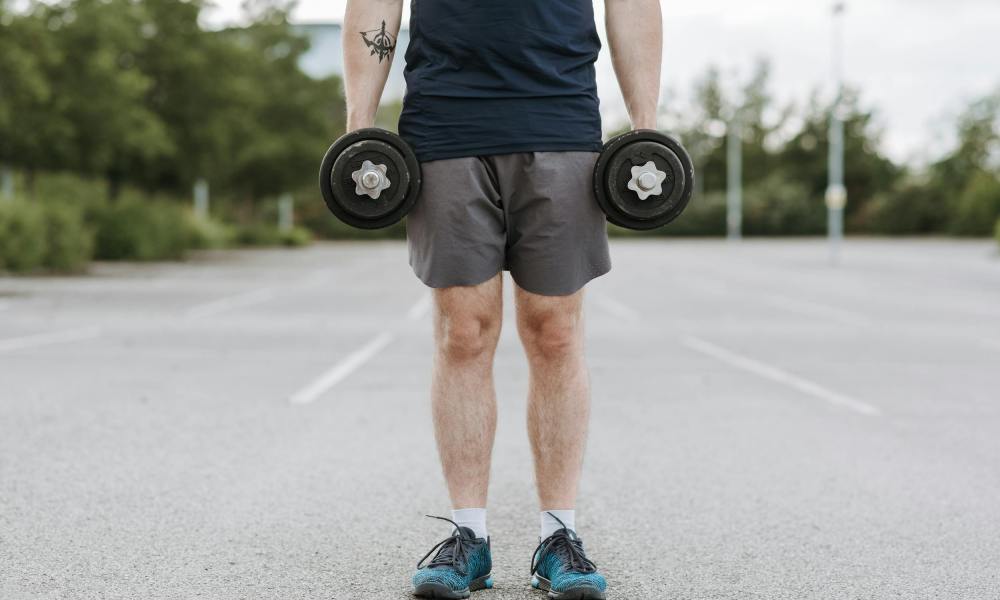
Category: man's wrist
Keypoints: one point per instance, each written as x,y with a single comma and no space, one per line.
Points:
357,121
644,121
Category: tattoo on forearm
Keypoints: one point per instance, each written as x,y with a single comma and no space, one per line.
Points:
380,41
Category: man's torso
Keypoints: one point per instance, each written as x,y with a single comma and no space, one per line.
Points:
500,76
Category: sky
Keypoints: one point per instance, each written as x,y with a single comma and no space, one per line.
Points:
916,62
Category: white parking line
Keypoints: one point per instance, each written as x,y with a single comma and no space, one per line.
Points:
215,307
420,309
341,370
48,339
616,309
816,309
778,375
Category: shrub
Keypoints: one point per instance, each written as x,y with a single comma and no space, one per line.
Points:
996,231
911,208
208,233
776,206
22,236
69,243
269,235
978,207
134,230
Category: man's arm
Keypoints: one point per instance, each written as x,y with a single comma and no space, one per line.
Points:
370,30
635,34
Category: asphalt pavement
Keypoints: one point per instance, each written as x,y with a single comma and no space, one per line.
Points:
255,424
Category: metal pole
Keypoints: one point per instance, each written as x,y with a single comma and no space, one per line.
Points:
201,199
734,179
6,183
286,209
836,193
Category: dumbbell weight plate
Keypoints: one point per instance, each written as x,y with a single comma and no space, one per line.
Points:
347,156
614,171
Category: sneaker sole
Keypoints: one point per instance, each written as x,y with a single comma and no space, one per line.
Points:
581,593
437,590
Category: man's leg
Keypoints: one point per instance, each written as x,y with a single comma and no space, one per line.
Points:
467,326
551,329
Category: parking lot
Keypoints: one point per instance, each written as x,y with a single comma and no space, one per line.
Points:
255,424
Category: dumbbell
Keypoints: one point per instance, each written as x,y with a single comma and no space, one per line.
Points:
370,178
643,179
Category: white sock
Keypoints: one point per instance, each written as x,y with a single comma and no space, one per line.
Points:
550,525
473,518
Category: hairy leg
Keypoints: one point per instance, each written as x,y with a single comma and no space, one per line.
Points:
551,329
466,329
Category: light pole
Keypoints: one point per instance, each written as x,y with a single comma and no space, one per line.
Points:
734,178
836,193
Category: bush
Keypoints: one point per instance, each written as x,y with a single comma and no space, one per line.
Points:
978,207
776,206
69,244
134,230
996,231
208,233
35,236
269,235
912,208
22,236
314,216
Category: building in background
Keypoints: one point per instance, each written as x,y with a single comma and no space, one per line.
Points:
325,56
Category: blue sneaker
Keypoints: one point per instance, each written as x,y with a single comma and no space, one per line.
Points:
561,567
461,566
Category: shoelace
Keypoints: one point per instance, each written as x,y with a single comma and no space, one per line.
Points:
452,550
568,546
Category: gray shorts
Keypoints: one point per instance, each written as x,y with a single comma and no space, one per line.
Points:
532,213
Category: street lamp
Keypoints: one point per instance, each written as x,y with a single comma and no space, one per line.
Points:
836,193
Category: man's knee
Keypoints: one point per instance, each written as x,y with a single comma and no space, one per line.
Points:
465,337
552,335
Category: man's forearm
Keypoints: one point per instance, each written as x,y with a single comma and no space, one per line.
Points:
635,34
370,30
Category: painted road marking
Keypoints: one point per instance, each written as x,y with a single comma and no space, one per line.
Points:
215,307
419,310
49,339
778,375
342,370
616,309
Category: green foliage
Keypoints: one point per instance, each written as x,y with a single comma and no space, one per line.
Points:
206,234
978,207
776,206
143,231
39,236
996,231
912,207
22,237
268,235
69,243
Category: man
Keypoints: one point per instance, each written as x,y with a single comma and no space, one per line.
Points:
502,110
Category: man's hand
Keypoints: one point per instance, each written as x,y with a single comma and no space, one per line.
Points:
370,30
635,34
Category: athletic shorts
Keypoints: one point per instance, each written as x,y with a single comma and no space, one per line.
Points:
531,213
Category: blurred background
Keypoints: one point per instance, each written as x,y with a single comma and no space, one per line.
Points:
203,121
209,387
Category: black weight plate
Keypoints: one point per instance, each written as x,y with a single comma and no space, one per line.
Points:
344,186
619,172
404,176
626,210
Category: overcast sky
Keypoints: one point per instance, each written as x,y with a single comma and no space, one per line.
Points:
916,61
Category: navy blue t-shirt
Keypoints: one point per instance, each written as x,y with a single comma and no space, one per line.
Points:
501,76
